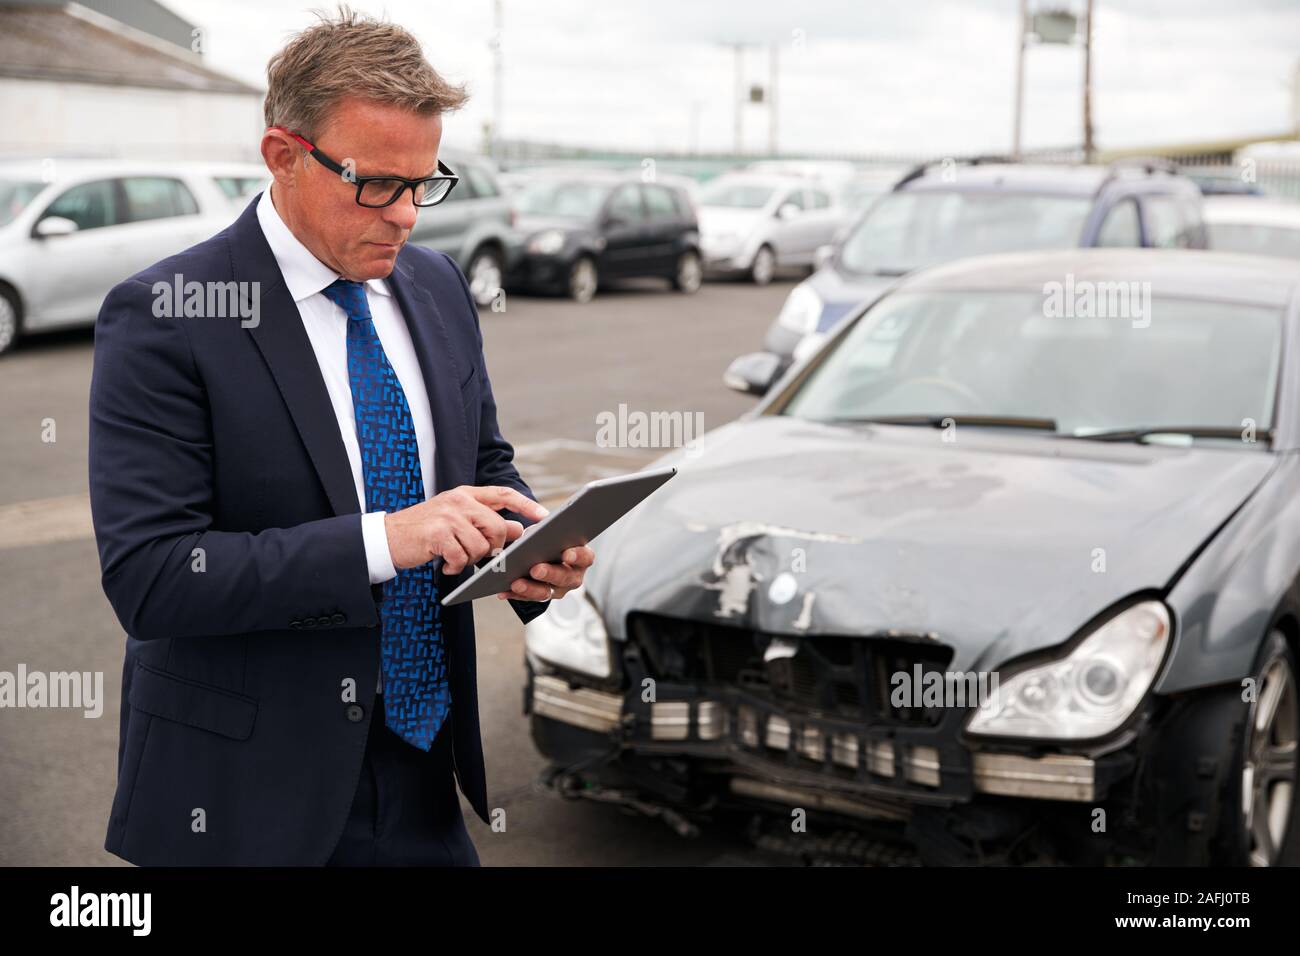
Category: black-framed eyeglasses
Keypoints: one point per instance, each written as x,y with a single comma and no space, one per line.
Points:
375,192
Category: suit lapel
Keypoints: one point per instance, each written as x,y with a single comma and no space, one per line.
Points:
442,376
284,345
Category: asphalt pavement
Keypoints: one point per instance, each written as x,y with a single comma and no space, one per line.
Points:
554,368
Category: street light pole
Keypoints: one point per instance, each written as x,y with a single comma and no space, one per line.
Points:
1022,28
1088,146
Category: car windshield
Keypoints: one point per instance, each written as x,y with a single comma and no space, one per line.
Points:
567,200
1185,365
14,197
734,195
1256,240
908,230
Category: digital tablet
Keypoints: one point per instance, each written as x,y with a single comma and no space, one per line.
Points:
592,509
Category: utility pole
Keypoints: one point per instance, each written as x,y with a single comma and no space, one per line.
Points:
773,69
1089,151
498,70
1022,31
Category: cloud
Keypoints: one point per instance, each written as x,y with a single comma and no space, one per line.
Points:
902,76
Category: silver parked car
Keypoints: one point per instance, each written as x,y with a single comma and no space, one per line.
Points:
752,224
475,226
72,229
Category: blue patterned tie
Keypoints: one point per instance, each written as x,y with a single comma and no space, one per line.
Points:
414,662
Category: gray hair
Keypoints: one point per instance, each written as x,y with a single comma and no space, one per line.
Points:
351,55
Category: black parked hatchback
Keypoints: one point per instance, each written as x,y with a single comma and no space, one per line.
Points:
580,231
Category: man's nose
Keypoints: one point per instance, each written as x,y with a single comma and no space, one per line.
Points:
402,211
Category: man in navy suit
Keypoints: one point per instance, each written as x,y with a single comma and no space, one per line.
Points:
271,485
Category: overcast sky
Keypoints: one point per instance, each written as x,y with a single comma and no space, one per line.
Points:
872,76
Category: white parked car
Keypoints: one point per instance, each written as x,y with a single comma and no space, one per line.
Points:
1253,224
752,224
71,229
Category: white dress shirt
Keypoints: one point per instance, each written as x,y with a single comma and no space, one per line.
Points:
306,277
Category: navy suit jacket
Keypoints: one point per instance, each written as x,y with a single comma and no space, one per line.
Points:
229,537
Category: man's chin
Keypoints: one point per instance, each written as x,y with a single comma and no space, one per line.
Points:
376,261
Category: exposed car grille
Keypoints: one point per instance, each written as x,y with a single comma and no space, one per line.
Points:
846,677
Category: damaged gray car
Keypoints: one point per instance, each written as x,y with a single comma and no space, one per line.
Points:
1007,572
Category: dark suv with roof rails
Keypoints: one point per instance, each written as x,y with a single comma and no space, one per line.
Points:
950,209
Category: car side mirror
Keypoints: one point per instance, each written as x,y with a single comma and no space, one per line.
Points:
52,226
823,256
614,222
788,211
753,374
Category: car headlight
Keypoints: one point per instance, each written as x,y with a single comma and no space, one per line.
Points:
1088,693
570,634
802,310
547,243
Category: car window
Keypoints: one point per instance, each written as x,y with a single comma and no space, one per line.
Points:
1004,353
567,199
157,197
820,200
906,230
238,187
14,197
626,204
659,203
1120,227
1166,228
90,205
794,198
481,180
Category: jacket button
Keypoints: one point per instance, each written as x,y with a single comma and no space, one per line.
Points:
339,618
355,712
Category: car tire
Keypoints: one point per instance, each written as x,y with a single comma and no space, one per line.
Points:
1260,806
763,267
11,319
1202,781
583,280
486,276
689,272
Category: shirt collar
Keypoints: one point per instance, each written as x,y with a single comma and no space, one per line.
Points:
304,274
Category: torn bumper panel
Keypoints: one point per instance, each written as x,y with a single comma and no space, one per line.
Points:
757,739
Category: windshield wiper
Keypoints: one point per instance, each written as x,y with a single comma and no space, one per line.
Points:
1145,431
941,421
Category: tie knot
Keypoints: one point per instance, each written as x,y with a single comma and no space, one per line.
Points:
350,296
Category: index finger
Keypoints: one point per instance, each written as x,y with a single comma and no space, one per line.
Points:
498,497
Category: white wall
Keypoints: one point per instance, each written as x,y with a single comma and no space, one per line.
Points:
45,118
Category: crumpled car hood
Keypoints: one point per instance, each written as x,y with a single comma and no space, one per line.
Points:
997,544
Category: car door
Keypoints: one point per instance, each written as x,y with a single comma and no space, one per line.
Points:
73,273
623,227
787,232
161,219
817,226
664,227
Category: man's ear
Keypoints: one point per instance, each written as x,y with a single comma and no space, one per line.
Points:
280,154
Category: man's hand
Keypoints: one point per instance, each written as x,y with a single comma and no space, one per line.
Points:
461,526
547,581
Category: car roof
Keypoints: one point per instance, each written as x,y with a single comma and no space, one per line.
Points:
771,180
78,168
1063,179
1252,211
1177,273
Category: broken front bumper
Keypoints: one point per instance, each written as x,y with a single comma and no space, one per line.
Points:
764,742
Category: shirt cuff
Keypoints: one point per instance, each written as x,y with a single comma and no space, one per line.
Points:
378,559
